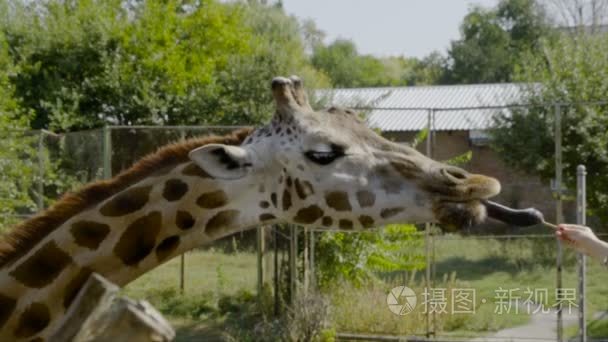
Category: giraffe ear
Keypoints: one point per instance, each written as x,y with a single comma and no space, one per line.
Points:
222,161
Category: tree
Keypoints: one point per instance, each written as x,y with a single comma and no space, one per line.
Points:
347,68
494,41
571,69
85,64
17,173
276,48
340,61
579,13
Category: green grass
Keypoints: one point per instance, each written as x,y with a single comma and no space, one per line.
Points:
482,264
210,276
364,310
487,265
206,272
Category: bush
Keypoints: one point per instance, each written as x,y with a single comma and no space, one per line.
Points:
170,302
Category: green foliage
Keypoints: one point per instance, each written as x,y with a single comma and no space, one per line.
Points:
29,177
84,64
461,159
347,68
357,256
16,173
170,302
420,137
275,48
495,40
572,69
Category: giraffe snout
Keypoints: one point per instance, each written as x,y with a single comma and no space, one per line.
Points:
482,187
455,184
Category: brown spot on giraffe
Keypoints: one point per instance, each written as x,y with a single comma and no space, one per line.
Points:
195,171
42,267
267,217
303,188
127,202
289,182
390,212
366,221
308,214
174,190
139,239
166,247
220,220
286,200
273,199
89,234
345,224
338,200
366,198
33,320
7,306
212,200
327,221
74,286
264,204
183,220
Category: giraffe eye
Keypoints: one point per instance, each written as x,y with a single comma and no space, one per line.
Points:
325,157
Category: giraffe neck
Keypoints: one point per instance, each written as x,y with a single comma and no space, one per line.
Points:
122,238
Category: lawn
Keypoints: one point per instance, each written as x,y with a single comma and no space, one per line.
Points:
485,265
207,272
488,265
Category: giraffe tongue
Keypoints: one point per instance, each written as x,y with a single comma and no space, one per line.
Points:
516,217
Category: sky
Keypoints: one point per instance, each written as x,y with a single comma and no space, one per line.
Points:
413,28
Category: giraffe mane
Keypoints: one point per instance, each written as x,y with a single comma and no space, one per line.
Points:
24,236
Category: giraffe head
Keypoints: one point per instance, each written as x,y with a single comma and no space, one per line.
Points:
327,168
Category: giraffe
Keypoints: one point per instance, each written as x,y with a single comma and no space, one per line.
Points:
311,168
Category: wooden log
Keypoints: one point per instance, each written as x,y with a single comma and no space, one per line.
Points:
99,314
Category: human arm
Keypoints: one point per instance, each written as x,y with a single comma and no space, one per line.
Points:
583,240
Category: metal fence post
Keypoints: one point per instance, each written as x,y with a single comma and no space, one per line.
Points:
293,265
581,218
182,258
40,182
313,281
558,215
428,226
305,261
107,152
275,241
260,249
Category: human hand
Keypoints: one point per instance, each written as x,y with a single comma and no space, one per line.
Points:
583,240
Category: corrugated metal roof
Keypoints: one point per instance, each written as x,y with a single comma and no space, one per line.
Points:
390,105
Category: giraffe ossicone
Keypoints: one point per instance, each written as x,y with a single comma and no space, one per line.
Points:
316,168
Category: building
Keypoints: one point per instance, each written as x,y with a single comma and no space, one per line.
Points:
460,117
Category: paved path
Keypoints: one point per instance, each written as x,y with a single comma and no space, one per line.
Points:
540,328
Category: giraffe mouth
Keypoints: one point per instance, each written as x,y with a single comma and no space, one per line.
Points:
457,215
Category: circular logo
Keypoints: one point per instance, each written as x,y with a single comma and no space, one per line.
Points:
401,300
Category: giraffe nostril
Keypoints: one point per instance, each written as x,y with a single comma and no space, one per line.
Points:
454,174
